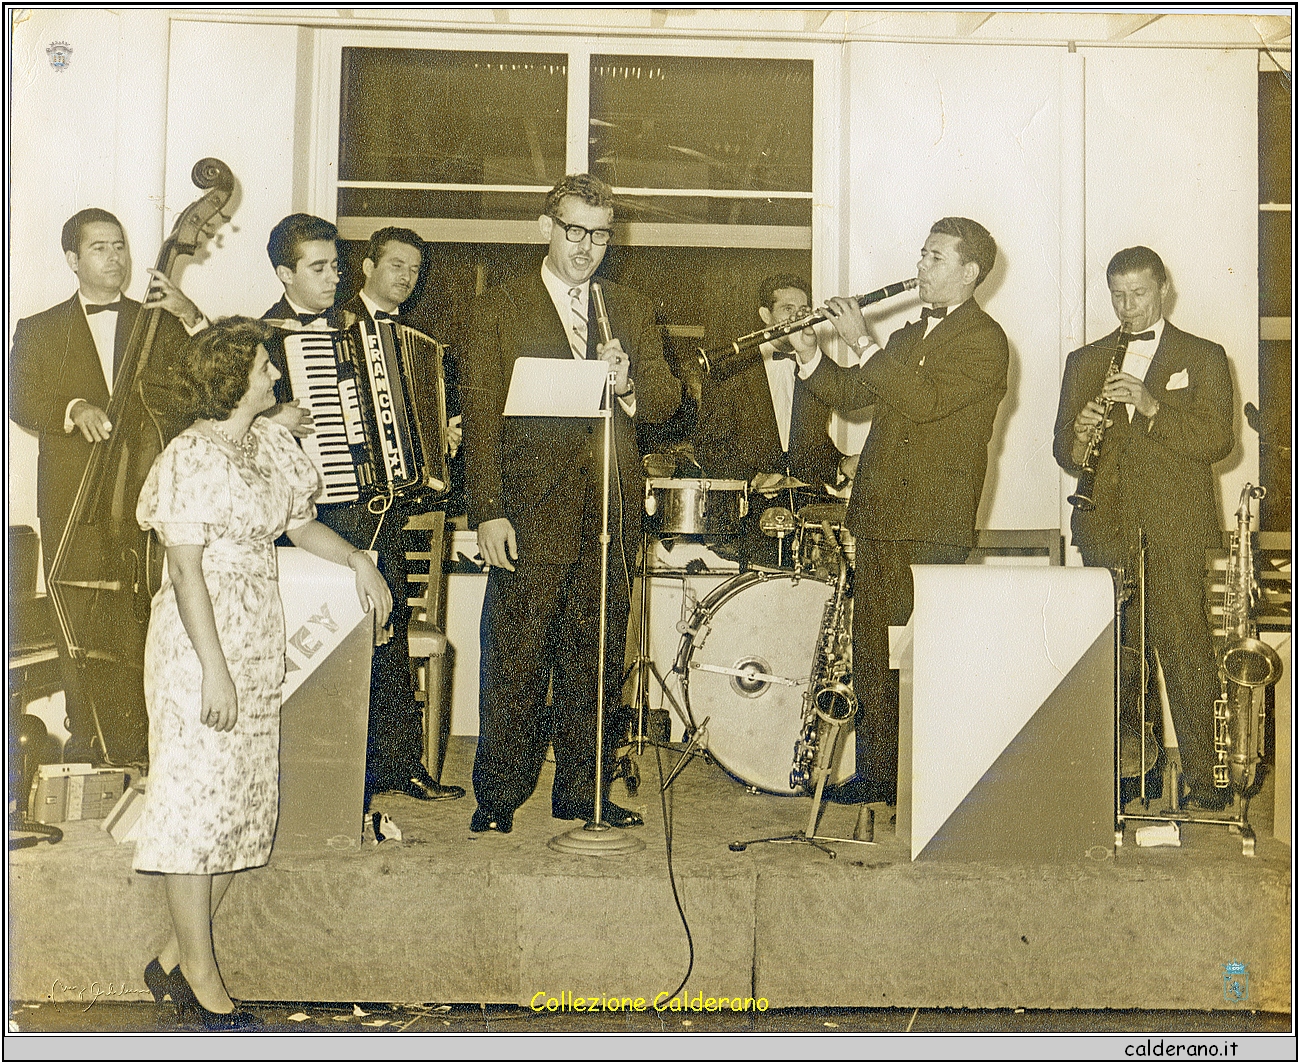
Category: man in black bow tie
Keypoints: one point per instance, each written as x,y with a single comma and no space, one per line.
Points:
935,388
1170,421
304,251
392,270
62,371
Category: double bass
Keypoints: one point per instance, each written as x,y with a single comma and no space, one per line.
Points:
106,570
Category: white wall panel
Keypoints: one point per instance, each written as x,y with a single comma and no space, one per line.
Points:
1172,163
232,95
950,130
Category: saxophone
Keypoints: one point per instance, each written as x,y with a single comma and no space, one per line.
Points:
1246,664
828,700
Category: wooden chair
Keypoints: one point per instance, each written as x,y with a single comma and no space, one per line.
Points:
427,636
1019,541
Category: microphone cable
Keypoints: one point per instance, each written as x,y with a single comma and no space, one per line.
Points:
672,877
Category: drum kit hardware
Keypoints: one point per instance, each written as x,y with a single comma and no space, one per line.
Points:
750,647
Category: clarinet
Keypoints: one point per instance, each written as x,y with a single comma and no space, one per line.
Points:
724,362
1082,497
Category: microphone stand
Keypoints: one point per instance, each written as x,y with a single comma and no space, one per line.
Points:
597,838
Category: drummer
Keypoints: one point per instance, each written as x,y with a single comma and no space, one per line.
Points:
764,424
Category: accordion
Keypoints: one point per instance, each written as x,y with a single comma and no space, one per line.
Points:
378,399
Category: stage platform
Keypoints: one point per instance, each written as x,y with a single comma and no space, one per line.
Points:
447,916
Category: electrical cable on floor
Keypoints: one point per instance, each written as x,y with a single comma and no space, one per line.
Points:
672,878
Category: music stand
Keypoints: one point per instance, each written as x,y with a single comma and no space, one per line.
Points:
553,387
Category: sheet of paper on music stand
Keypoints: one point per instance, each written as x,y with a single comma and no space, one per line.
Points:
556,387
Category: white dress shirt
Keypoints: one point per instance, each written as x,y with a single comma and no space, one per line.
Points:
103,330
558,289
317,323
1137,359
780,383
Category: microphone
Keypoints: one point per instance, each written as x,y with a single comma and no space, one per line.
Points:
602,315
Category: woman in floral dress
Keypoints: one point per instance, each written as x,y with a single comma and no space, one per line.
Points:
218,497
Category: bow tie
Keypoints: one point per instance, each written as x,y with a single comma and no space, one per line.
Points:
933,312
95,308
306,318
383,315
1150,334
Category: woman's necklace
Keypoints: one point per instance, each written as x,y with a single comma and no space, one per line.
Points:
246,443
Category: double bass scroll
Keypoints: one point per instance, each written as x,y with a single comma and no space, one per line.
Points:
106,570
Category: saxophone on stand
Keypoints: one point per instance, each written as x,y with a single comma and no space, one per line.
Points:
1247,665
829,701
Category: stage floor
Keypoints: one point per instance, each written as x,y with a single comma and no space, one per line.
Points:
448,916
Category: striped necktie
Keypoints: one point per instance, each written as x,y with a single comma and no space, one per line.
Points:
578,315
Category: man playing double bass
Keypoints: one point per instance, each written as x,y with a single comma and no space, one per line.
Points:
62,371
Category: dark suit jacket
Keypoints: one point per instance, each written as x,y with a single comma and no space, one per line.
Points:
537,471
1153,474
738,434
54,361
923,465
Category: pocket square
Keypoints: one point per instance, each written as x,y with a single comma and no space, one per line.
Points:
1177,381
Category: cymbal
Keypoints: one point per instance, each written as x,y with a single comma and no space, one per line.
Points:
784,484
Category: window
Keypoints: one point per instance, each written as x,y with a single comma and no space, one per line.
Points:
711,158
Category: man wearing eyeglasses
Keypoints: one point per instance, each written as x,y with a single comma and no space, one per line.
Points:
533,491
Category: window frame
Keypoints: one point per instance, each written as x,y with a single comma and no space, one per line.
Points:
821,238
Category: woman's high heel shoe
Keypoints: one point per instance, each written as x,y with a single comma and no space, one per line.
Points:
191,1011
158,981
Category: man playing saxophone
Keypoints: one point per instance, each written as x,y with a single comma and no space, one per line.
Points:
1170,419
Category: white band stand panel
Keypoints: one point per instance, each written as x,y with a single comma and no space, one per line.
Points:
1006,716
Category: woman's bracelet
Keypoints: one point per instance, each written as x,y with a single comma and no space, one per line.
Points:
348,560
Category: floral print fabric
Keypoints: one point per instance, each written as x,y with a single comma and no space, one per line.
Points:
212,797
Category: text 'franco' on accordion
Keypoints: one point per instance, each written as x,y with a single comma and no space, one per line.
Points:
377,395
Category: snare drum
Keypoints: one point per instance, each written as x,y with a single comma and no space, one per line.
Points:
816,553
745,661
696,507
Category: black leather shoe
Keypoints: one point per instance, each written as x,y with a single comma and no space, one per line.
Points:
482,820
424,787
195,1016
158,981
613,815
859,791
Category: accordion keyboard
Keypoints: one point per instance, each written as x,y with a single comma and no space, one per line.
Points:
335,409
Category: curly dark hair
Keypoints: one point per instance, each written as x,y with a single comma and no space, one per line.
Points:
215,366
591,190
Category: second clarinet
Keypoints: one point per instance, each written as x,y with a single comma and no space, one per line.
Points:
1082,497
723,362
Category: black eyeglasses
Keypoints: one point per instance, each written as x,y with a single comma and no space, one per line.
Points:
575,234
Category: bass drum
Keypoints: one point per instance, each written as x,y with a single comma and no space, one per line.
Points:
745,663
